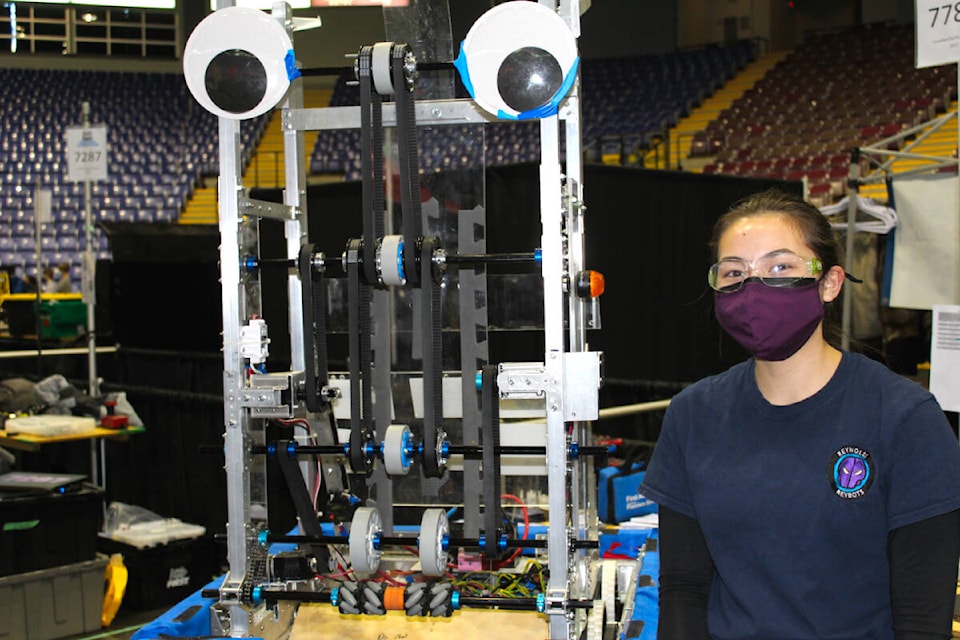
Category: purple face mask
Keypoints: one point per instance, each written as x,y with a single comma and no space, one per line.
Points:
771,323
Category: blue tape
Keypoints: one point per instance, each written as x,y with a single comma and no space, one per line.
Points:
293,72
461,66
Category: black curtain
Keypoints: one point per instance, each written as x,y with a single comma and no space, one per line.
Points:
647,232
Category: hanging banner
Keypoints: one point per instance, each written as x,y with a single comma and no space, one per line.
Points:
926,246
86,153
938,32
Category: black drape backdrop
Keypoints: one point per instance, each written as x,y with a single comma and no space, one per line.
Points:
646,231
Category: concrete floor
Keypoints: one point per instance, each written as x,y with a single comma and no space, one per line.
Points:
124,625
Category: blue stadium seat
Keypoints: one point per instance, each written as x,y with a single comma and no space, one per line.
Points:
22,229
69,243
10,258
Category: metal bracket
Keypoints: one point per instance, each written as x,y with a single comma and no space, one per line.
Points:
264,209
231,592
555,602
427,113
273,395
521,380
581,379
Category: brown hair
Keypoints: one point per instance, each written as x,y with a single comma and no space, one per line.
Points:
813,227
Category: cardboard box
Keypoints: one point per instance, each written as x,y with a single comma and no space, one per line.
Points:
52,603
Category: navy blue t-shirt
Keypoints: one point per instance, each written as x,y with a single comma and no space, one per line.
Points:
795,502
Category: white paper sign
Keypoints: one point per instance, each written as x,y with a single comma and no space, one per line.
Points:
42,205
86,153
89,277
945,356
938,32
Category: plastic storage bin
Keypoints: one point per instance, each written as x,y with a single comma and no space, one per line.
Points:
62,318
40,531
52,603
61,315
164,573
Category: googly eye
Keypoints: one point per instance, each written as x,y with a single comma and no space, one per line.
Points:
238,63
519,61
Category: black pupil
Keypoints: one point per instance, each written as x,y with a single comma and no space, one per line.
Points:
528,78
236,81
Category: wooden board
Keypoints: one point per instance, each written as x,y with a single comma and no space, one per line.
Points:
325,621
28,442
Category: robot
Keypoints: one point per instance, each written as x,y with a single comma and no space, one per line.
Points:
400,419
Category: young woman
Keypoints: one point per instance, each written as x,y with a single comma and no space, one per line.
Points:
806,493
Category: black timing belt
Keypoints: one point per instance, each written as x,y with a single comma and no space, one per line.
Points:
371,161
432,361
360,294
414,250
313,290
490,439
412,225
358,299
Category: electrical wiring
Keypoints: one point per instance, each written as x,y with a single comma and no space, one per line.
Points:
341,574
509,585
384,576
341,564
526,527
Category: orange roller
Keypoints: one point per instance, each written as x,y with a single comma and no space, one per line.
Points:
393,598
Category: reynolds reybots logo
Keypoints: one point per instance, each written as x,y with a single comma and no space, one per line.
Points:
851,472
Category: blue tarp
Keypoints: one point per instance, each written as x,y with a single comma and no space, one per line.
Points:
188,618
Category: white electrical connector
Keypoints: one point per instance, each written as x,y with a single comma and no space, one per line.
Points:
254,341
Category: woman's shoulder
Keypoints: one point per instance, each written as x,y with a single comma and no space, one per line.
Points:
875,378
707,388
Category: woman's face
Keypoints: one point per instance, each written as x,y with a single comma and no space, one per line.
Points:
754,236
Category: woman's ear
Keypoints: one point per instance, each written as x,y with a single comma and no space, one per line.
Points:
832,283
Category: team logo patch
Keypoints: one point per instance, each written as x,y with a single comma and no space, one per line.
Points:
851,472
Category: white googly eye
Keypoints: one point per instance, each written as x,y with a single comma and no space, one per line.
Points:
518,60
238,63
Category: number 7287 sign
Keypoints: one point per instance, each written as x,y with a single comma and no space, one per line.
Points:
87,153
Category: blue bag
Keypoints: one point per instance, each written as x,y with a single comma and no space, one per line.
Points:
619,495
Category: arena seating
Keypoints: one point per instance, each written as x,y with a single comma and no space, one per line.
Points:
160,144
836,91
798,122
627,100
633,99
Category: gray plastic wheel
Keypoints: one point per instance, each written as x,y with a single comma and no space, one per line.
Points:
390,261
396,462
366,524
433,527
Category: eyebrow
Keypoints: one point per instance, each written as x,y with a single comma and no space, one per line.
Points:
775,252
